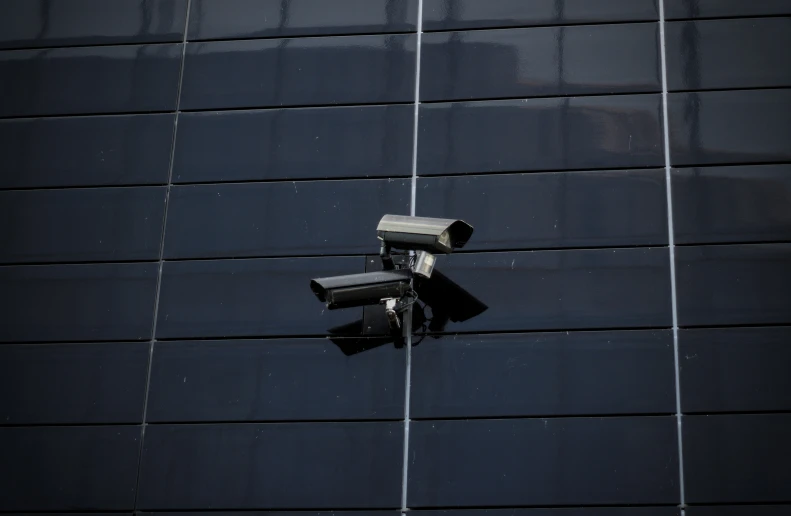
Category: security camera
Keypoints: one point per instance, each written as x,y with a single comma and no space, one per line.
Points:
398,286
393,289
369,288
422,234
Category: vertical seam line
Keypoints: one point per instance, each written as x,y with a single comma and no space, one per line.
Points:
161,254
417,107
672,252
412,211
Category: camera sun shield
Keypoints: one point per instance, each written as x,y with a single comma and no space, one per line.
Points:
423,233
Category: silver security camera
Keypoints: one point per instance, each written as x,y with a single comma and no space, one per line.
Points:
422,234
369,288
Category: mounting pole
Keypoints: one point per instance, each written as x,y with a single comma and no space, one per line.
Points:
387,260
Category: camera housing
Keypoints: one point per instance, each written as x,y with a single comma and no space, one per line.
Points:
369,288
423,233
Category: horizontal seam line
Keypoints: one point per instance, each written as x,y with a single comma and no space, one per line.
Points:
372,251
228,109
301,36
180,40
508,417
733,17
559,23
734,243
92,45
464,418
543,506
390,178
716,90
688,167
721,504
326,179
737,412
733,326
327,337
254,336
736,327
341,105
200,423
425,177
549,330
432,102
270,509
296,106
430,176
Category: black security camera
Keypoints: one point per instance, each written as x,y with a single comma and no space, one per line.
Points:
369,288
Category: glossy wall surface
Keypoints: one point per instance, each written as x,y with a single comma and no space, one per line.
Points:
174,172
